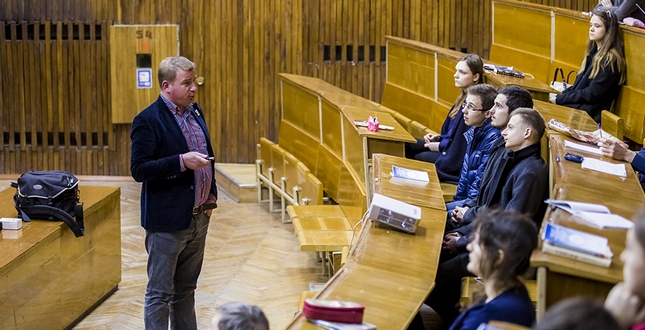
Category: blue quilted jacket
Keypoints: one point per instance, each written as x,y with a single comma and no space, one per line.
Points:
480,143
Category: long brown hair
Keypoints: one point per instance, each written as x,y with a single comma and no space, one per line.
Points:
611,52
476,66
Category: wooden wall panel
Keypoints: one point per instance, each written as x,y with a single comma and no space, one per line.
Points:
55,89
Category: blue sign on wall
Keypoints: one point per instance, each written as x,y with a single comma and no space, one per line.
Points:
144,78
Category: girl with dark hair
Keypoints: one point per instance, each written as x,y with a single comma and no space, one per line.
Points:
602,71
447,150
499,255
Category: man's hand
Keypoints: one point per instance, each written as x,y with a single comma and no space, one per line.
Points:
615,150
626,307
449,244
457,214
432,146
195,160
606,3
211,200
430,138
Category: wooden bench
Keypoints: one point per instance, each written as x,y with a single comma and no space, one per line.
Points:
552,37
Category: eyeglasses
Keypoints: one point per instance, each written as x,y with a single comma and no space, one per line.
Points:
471,107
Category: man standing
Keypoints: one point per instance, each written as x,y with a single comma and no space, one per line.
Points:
172,156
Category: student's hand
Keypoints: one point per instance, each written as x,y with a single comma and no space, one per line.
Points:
195,160
626,307
449,244
606,3
615,150
430,138
458,213
432,146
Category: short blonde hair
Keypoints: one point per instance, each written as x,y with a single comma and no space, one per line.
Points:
170,65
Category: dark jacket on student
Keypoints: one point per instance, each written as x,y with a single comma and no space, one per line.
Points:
592,95
516,181
512,306
452,147
627,8
480,141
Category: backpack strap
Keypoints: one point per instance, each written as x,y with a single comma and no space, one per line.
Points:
44,210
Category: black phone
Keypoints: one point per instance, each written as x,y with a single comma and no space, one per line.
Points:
574,157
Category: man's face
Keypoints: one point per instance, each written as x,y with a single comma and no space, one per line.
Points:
499,112
515,134
474,115
181,91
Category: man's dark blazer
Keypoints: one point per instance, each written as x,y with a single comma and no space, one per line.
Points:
167,194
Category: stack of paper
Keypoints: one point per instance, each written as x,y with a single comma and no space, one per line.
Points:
582,147
593,214
574,244
408,174
605,167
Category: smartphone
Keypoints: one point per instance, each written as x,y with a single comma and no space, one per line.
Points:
574,157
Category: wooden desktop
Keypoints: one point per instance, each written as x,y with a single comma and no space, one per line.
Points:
50,278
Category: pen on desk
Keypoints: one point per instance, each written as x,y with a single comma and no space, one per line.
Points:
600,129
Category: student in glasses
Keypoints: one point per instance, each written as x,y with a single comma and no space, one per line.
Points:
480,138
603,69
447,149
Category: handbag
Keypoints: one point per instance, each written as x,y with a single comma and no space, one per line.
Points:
563,83
49,195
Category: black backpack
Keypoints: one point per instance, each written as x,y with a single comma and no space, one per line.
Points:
50,195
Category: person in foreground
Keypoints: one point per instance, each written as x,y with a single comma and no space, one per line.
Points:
499,254
447,150
626,301
578,313
518,181
239,316
603,69
170,156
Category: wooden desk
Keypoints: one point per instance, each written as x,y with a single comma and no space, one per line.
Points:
429,195
539,90
389,272
360,143
577,119
559,277
51,278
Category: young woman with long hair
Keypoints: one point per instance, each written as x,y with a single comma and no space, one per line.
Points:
603,69
447,150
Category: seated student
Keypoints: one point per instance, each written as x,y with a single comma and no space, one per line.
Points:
480,138
602,71
518,181
447,150
624,8
507,100
499,254
617,151
626,301
577,314
239,316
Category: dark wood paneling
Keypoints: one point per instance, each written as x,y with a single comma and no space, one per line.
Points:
54,90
